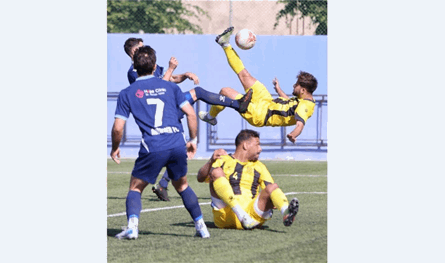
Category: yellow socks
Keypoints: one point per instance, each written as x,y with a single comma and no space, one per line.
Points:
237,65
239,96
234,61
279,200
215,110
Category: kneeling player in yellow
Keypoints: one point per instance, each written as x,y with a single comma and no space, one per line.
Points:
235,181
263,110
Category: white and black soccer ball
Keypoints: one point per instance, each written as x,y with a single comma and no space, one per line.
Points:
245,39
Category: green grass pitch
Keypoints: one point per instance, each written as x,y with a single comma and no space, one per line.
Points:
167,235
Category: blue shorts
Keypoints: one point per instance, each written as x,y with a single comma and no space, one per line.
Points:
148,165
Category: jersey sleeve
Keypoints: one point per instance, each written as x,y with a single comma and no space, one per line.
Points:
131,75
304,111
159,71
218,163
265,176
181,100
122,106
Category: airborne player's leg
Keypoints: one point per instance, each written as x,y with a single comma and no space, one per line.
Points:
238,67
234,60
216,109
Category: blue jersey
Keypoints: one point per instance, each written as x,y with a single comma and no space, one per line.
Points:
154,104
132,75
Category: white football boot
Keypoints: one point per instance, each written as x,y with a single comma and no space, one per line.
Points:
128,233
201,229
224,38
204,116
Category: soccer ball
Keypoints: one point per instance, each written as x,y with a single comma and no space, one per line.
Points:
245,39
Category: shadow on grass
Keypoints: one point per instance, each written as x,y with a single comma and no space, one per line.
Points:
150,198
212,225
114,232
155,198
191,224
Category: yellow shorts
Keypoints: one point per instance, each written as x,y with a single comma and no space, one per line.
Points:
257,109
226,218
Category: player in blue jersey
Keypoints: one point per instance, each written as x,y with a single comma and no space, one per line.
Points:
131,45
154,104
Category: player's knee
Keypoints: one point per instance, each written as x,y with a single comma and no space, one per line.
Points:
216,173
196,92
270,188
137,184
181,184
225,91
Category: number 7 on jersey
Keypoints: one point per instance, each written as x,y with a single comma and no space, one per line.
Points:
159,112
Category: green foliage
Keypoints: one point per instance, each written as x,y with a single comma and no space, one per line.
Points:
152,17
316,10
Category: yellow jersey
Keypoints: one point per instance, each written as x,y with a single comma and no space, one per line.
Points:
286,112
245,177
263,110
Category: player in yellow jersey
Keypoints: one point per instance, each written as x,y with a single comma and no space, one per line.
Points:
263,110
235,183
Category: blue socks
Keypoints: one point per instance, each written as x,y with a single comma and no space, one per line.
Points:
133,204
164,180
190,201
215,99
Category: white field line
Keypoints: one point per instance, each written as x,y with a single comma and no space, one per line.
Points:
207,203
298,175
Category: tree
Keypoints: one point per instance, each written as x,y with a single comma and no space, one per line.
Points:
156,16
316,10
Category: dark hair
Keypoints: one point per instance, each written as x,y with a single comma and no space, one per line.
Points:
144,60
130,43
245,135
307,81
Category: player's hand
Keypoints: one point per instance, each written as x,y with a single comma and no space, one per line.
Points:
193,77
292,138
173,63
191,150
276,84
217,154
115,155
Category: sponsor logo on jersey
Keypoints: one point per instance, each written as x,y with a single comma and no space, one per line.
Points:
168,129
139,93
155,92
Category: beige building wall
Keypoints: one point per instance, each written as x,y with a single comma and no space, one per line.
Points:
259,16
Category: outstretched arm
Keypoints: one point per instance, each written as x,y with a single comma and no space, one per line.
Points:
205,170
181,77
116,137
278,88
192,124
292,136
168,76
172,64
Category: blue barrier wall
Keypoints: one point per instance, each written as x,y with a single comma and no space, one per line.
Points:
273,56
